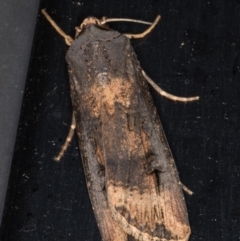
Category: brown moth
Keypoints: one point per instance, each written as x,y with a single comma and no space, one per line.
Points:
131,176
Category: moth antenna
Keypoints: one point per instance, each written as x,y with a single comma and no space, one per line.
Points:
108,20
68,140
168,95
68,39
146,32
130,36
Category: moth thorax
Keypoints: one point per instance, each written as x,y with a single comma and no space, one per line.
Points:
85,23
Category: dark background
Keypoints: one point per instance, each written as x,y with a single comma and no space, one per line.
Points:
194,50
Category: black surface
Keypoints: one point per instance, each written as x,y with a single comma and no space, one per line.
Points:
18,20
193,51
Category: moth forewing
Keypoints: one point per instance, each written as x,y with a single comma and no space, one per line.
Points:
108,93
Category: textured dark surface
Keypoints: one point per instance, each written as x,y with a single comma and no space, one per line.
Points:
193,51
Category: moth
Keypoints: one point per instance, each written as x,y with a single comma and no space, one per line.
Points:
130,173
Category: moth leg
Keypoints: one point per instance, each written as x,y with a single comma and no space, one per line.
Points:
68,39
168,95
185,189
146,32
68,139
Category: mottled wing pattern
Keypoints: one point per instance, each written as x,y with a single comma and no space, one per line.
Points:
86,111
131,175
143,189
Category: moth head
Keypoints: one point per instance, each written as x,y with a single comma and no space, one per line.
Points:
90,21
